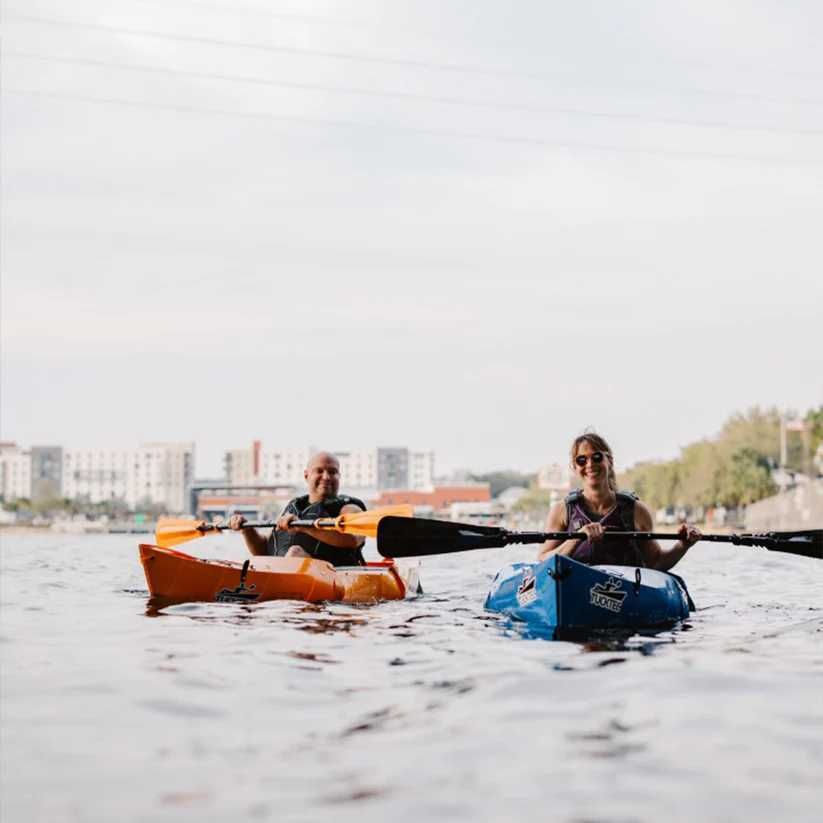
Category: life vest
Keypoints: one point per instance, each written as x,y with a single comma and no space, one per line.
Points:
281,541
620,518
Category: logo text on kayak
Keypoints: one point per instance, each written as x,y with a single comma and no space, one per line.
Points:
527,590
608,595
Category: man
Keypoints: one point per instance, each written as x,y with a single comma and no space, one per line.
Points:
322,476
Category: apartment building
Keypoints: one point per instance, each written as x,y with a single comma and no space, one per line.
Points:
374,468
15,472
154,473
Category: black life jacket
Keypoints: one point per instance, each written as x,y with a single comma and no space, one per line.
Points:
280,541
620,518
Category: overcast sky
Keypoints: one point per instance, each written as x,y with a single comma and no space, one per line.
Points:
465,225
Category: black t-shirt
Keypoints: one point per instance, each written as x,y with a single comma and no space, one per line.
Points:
280,541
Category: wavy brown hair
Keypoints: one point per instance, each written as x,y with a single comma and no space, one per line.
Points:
599,444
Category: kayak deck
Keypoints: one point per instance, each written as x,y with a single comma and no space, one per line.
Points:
176,577
561,596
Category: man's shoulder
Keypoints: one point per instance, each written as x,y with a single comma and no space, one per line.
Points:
348,500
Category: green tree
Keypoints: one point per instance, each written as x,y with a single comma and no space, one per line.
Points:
746,478
701,467
757,429
814,422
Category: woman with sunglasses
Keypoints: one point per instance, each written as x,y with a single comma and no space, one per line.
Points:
598,507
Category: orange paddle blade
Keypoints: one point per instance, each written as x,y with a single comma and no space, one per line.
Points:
363,524
171,531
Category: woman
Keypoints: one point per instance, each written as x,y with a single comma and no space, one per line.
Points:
598,507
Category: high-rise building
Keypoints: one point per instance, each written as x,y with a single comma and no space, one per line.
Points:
375,468
392,468
157,474
15,472
46,472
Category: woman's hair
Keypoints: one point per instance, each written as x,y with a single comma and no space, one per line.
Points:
599,444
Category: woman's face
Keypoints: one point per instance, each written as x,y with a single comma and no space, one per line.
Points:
591,464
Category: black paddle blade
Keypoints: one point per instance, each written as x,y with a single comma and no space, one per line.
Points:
416,537
802,543
806,543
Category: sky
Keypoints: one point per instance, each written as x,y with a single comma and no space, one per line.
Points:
460,225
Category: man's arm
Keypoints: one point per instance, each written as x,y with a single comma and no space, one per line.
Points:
255,542
332,538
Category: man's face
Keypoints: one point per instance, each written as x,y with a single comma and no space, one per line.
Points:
323,476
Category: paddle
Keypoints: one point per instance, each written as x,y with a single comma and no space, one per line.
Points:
402,537
174,531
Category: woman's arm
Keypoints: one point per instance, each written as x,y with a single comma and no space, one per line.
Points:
654,555
556,522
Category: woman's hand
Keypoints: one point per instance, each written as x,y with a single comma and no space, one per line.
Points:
593,531
236,522
689,535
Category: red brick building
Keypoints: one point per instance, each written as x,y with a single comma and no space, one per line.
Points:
440,497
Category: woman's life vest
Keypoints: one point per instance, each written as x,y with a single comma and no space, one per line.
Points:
604,552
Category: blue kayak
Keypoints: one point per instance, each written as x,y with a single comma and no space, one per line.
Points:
561,597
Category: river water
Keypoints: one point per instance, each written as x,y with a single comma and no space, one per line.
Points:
427,709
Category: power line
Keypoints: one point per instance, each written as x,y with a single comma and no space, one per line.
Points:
357,57
401,130
411,96
236,8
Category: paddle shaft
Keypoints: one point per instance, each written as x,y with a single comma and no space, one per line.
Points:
801,544
320,523
541,537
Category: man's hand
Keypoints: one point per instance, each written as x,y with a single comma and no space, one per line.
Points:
284,523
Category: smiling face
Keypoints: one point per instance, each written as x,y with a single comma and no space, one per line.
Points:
592,464
322,476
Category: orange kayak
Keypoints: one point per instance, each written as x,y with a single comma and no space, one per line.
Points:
175,577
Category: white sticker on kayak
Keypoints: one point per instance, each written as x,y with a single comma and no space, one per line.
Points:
608,595
527,590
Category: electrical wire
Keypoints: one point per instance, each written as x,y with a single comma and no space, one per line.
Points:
351,56
411,96
400,130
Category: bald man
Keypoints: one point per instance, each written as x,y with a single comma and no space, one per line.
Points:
322,476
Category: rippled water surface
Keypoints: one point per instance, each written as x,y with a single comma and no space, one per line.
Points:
428,709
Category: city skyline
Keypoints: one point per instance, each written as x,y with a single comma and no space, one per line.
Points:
212,458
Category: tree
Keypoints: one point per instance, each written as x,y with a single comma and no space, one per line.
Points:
746,479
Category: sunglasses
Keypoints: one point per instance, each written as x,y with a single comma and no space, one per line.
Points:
582,459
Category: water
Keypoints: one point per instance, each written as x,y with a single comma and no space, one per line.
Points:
428,709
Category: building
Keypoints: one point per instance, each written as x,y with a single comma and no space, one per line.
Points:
554,477
154,474
438,498
421,469
375,468
282,467
15,472
46,472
